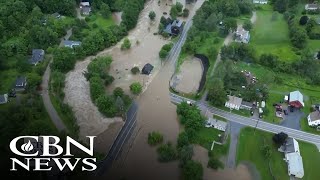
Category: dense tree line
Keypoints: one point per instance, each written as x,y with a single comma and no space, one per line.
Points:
97,73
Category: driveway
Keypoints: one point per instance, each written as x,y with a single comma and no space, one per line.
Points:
292,120
234,138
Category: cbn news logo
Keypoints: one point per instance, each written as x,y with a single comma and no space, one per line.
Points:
38,153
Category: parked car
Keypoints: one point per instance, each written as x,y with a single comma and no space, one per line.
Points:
285,112
291,109
190,103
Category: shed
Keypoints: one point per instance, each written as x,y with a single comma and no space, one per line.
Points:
3,98
233,102
147,69
296,99
37,56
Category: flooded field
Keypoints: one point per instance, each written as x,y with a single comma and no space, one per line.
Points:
187,80
240,173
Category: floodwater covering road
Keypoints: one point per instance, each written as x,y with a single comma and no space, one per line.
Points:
156,113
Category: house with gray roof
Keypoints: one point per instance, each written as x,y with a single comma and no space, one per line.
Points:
3,98
56,15
233,102
85,8
311,7
293,158
174,28
71,44
260,1
37,56
242,35
21,83
217,124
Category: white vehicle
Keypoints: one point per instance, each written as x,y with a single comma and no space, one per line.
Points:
189,102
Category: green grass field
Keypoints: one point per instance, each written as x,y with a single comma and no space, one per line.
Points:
206,136
249,149
270,34
311,159
100,21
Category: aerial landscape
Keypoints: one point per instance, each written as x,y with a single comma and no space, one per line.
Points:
168,89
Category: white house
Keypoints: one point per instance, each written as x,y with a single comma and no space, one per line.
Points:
311,7
260,1
242,35
314,118
293,158
217,124
233,102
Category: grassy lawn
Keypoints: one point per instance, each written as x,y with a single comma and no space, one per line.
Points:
249,149
277,90
100,21
241,112
270,34
66,118
311,158
270,116
206,136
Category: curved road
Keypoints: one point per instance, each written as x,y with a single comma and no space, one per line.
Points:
262,125
47,102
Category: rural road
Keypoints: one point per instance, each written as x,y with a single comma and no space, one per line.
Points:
54,116
47,102
122,137
262,125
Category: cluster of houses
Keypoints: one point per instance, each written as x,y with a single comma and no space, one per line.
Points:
293,158
20,85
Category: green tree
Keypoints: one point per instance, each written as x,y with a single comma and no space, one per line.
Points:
152,15
192,171
105,10
185,12
118,91
166,153
155,138
174,12
179,7
108,80
136,88
135,70
230,24
247,25
215,163
183,140
126,44
185,154
106,105
217,95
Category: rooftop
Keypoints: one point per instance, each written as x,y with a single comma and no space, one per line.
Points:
20,81
37,56
314,116
217,122
234,100
295,165
296,96
3,98
84,4
68,43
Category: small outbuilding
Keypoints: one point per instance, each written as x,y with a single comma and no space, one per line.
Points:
3,98
147,69
296,99
314,118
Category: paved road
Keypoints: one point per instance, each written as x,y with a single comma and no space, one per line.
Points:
262,125
45,92
47,102
235,129
122,137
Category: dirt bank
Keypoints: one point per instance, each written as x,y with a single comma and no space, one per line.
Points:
188,78
240,173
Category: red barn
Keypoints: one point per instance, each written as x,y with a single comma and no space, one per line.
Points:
296,99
